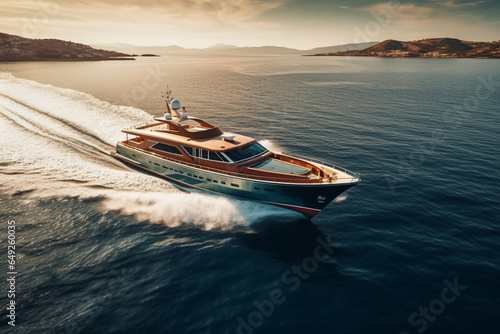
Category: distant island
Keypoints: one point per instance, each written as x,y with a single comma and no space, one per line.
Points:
228,49
16,48
427,48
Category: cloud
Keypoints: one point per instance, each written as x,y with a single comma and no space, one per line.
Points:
435,14
197,12
454,4
238,11
432,19
232,12
399,11
199,23
191,23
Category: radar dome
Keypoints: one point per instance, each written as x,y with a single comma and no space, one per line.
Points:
175,104
168,117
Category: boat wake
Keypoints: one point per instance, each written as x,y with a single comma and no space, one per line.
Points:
340,199
56,143
270,145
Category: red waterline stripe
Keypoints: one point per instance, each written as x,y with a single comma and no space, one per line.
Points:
297,208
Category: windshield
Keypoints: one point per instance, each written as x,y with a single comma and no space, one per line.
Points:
246,152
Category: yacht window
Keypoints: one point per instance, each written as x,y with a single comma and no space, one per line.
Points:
246,152
166,148
214,156
204,154
188,149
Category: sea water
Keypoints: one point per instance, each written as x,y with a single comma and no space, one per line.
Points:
102,248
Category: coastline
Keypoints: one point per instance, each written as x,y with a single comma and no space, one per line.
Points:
395,56
58,60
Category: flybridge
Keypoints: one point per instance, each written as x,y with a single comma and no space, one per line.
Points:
199,130
177,120
176,125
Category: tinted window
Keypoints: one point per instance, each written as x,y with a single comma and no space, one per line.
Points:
246,152
205,154
188,149
166,148
214,156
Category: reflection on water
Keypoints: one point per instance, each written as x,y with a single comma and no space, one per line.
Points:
106,249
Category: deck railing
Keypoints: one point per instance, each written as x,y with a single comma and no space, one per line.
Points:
355,177
140,125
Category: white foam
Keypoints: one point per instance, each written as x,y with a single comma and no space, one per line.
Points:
55,143
340,199
86,113
56,146
271,146
205,211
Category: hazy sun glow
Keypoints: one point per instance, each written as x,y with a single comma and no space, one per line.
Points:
298,24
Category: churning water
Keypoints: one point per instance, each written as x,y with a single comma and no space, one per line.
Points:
102,248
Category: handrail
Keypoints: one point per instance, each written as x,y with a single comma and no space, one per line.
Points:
355,176
138,125
239,175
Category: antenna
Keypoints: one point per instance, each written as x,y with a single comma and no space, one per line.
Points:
167,95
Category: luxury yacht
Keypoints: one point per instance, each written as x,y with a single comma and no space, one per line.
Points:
191,152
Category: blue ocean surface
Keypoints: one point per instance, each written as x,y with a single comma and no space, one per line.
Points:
101,248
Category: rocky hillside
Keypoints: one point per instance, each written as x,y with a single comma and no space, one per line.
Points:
16,48
432,48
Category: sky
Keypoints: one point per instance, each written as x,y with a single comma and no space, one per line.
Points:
299,24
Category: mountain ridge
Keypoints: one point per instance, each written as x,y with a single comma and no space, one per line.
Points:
17,48
427,48
230,49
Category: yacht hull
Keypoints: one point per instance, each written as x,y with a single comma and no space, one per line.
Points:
306,198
